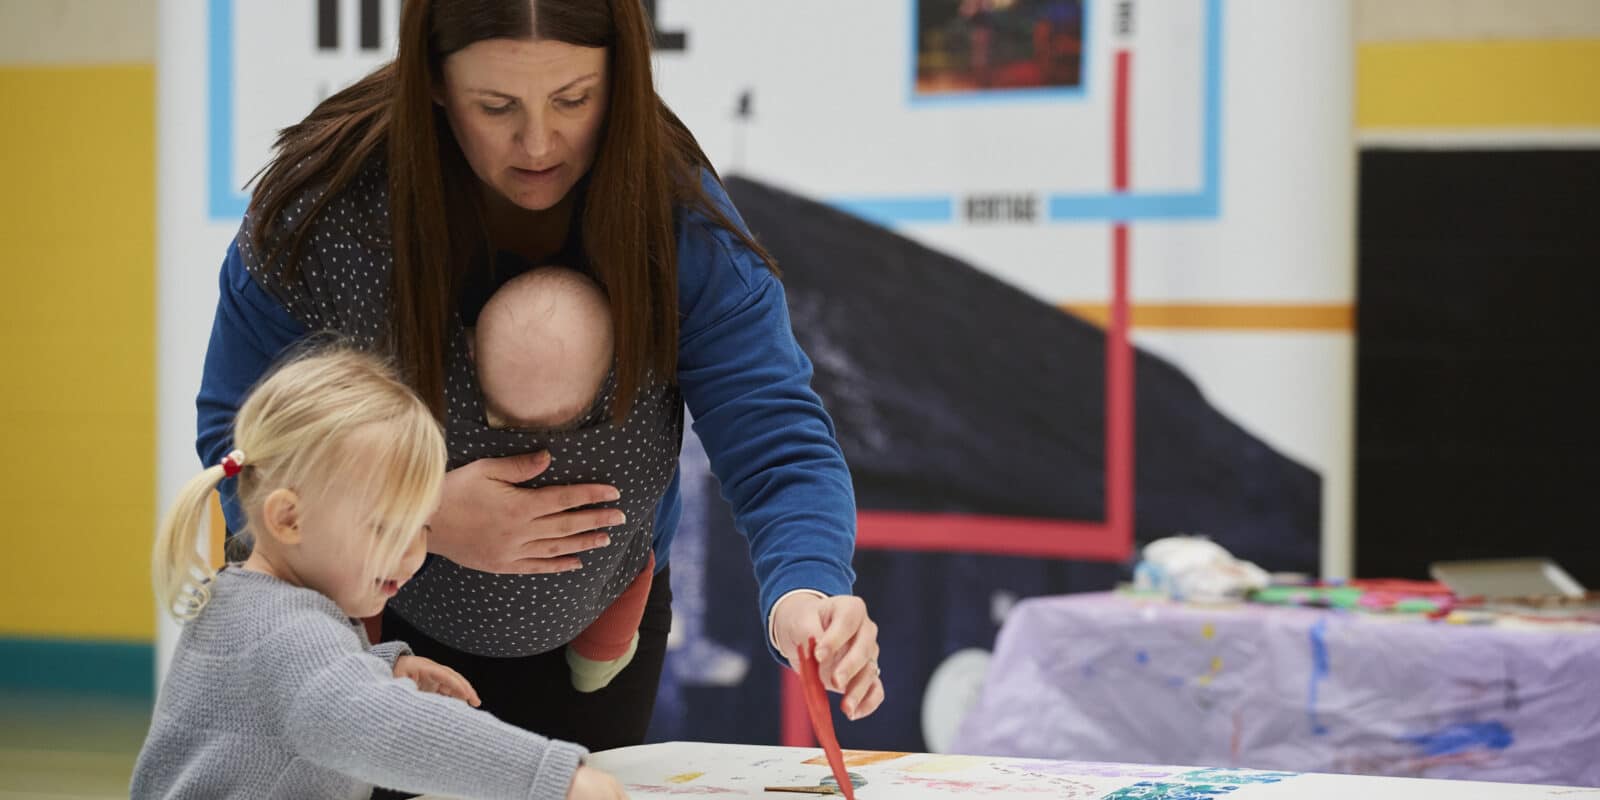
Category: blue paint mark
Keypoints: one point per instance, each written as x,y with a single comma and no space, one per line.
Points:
856,780
1160,790
1234,775
1319,671
1151,576
1455,739
223,201
1142,657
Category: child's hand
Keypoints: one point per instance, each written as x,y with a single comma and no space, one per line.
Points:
589,783
431,676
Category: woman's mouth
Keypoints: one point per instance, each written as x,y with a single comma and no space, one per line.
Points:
535,174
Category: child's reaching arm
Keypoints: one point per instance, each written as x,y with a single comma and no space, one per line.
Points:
344,710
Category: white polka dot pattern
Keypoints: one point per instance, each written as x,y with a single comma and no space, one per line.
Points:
343,286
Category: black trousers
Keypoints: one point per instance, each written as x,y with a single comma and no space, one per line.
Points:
535,692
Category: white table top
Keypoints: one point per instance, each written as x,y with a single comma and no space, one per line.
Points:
732,771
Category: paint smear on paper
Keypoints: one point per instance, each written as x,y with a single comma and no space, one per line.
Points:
685,777
1149,790
942,764
1463,738
1233,775
858,758
678,790
1319,672
1088,768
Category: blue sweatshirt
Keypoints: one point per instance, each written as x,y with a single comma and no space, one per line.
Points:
743,376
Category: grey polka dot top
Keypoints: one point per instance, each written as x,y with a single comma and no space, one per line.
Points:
345,264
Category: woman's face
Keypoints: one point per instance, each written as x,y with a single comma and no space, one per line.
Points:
527,114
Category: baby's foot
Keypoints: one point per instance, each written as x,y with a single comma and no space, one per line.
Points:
589,675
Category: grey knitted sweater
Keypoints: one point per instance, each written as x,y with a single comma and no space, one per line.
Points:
275,693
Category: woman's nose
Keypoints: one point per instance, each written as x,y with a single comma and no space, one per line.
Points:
536,139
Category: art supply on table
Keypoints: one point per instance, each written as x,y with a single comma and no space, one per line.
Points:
1194,568
1508,577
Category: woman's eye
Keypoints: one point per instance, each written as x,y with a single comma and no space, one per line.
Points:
569,104
501,109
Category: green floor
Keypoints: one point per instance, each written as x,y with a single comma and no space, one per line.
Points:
59,746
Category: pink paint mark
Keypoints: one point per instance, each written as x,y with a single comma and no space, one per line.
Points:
974,788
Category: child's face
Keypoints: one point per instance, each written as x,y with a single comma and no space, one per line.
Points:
335,551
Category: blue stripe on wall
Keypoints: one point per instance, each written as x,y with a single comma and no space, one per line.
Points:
123,669
889,211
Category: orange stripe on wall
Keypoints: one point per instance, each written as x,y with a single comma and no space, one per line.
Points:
1235,316
219,531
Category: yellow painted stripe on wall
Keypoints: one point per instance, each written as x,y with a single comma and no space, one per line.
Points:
1521,84
1237,316
77,348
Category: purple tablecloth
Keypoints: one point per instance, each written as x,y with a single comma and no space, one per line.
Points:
1102,677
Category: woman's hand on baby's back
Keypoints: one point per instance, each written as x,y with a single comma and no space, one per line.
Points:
488,523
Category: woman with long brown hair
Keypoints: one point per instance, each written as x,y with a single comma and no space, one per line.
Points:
506,135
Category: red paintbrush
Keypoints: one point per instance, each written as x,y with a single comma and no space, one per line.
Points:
822,717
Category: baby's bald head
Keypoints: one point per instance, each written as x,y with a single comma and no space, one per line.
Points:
543,347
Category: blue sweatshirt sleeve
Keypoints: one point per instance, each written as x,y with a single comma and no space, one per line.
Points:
770,442
250,331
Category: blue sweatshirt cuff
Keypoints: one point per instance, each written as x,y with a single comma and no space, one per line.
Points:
250,331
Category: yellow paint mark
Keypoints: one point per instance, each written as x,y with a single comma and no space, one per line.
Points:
1209,631
1216,664
858,758
1226,316
862,758
685,777
1478,84
942,764
1203,680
